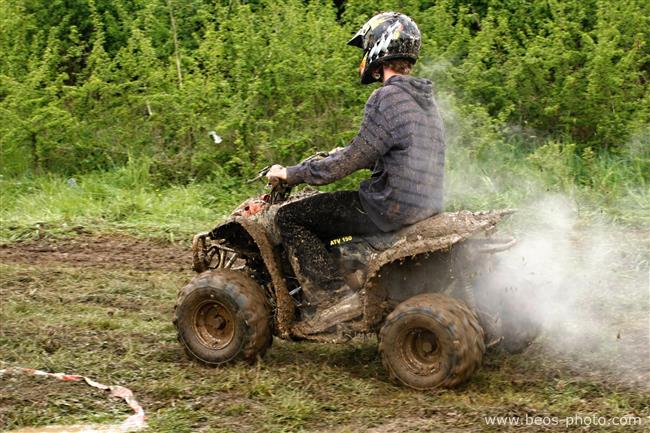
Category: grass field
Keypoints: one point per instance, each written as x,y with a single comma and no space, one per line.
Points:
102,307
109,163
90,268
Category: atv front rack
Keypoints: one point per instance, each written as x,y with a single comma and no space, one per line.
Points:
210,255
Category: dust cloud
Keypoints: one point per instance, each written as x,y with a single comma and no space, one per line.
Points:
586,283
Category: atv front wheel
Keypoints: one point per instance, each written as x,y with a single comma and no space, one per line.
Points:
222,316
431,340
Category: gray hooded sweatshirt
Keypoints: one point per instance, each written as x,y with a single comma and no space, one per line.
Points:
401,139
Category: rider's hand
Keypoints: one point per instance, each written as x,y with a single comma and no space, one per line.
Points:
277,172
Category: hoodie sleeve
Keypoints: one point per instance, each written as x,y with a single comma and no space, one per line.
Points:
372,142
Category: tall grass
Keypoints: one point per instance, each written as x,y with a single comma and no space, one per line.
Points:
121,200
127,199
611,187
489,165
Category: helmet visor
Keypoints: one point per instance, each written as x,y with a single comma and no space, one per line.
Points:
362,65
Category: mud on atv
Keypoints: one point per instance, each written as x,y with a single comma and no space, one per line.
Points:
417,287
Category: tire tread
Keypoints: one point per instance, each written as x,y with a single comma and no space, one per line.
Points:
457,318
251,301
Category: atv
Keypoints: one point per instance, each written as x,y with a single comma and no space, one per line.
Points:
418,287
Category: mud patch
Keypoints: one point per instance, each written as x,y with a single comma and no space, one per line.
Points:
114,251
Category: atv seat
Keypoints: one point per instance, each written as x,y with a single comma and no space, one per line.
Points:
462,223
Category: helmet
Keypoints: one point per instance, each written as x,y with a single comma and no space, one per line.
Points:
386,36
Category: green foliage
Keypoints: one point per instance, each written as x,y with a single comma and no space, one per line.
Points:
107,81
555,91
87,85
124,199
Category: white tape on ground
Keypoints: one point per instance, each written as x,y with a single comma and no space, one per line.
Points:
135,422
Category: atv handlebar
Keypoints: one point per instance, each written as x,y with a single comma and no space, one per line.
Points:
279,189
260,174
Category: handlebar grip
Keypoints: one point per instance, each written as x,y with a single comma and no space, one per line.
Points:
275,181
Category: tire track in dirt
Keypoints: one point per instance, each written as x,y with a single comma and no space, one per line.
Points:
104,251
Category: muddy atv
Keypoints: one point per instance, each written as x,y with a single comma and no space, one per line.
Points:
417,287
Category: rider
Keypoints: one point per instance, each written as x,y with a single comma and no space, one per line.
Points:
400,139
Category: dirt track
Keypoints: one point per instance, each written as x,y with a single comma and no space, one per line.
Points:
63,312
116,251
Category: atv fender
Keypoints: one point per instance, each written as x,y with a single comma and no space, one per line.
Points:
438,233
248,233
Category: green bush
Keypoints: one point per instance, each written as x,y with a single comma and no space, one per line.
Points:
550,92
85,86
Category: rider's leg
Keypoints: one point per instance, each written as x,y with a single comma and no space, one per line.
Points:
306,222
302,226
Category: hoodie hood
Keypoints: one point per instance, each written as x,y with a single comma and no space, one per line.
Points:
420,89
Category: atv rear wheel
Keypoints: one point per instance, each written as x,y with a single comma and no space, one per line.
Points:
431,340
222,316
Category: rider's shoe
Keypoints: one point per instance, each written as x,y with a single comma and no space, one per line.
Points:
345,305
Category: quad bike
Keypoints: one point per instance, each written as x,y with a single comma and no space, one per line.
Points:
416,286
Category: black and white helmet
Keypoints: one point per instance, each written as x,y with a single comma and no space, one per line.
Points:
386,36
